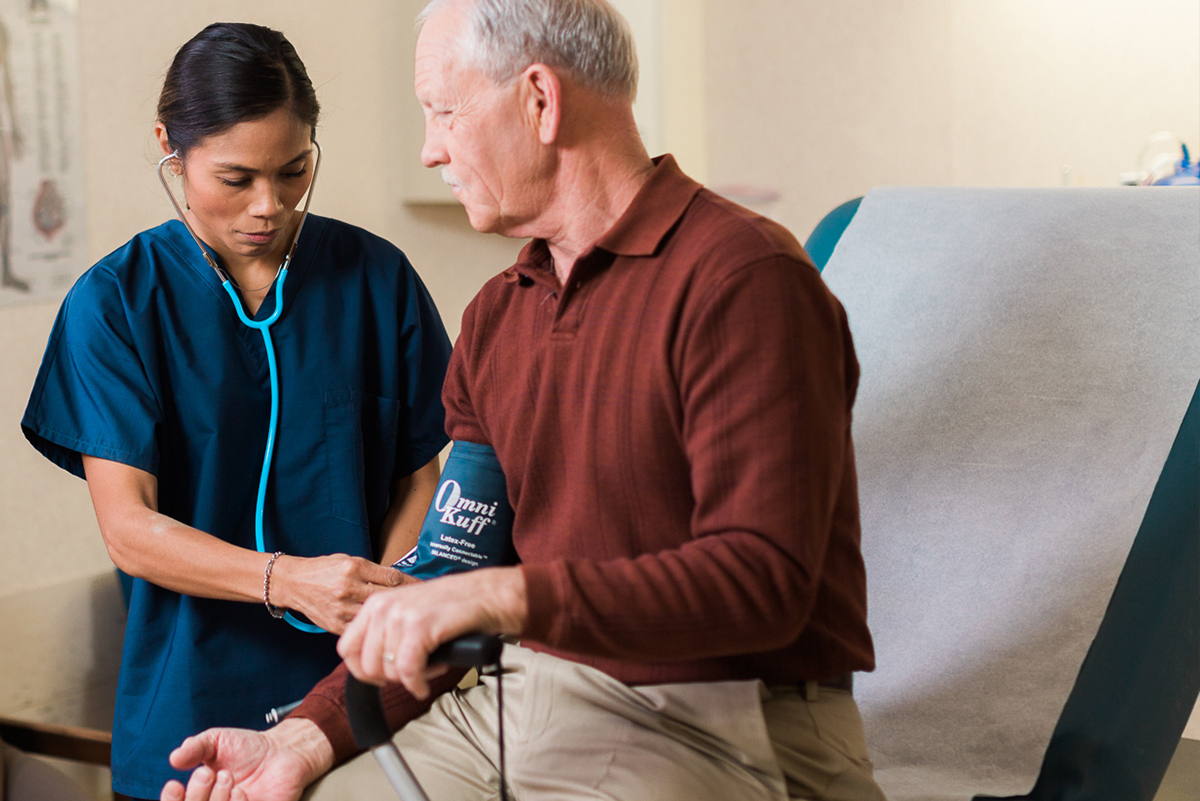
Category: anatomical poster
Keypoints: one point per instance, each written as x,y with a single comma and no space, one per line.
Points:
42,233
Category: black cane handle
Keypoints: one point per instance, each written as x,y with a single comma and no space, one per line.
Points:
364,706
471,651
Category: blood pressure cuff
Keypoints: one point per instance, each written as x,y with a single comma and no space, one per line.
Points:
469,524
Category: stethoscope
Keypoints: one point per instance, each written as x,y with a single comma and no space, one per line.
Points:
264,328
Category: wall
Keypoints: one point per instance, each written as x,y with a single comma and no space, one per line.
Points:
821,101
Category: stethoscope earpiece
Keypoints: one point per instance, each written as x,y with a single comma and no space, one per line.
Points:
224,276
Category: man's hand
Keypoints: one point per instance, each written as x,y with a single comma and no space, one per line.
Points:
243,765
392,636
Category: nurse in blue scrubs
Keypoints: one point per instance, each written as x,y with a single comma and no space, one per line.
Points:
153,390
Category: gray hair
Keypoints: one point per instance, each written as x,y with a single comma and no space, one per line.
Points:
588,39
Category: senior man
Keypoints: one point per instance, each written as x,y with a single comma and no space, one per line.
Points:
668,385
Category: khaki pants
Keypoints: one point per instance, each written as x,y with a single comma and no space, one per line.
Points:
572,732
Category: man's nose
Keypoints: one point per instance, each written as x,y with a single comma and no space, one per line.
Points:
433,152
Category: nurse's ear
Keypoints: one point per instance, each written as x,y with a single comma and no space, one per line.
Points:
164,143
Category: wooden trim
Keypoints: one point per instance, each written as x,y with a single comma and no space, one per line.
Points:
66,742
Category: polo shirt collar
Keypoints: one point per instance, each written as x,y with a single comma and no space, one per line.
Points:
655,209
653,213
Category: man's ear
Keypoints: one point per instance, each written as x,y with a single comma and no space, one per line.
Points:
542,98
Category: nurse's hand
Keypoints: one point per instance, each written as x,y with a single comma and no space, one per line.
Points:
244,765
330,590
391,638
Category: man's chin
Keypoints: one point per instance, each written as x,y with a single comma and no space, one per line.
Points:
482,221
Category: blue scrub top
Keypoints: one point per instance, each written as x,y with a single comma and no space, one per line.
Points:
148,365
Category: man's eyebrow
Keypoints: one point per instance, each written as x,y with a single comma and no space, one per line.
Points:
239,168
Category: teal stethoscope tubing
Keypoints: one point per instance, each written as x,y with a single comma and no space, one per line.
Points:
264,328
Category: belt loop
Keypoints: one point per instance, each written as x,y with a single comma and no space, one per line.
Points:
811,688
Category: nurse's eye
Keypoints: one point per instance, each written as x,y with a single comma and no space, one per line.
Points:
235,181
300,173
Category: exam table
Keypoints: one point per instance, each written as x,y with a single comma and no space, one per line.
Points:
1028,439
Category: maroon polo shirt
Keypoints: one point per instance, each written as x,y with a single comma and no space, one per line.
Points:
674,426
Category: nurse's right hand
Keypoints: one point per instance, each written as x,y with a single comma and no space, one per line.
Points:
329,590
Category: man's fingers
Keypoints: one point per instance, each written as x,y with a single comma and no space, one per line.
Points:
171,791
373,658
192,752
410,669
199,786
222,787
366,644
349,645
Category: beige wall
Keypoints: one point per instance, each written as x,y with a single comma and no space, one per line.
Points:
820,101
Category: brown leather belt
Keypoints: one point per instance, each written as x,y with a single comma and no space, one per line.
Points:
812,688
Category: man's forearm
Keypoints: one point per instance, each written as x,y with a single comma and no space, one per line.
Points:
324,709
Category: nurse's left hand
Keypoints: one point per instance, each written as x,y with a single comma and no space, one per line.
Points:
392,636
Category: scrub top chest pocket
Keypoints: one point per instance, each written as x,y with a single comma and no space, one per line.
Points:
361,443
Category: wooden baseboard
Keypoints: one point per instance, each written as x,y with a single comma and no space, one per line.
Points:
90,746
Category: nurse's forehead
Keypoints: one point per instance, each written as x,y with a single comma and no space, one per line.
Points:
228,160
235,165
266,143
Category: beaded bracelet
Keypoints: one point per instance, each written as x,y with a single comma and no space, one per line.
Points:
275,611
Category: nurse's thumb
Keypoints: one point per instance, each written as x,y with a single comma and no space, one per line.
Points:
385,576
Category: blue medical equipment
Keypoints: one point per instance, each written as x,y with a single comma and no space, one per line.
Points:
1187,172
469,523
264,328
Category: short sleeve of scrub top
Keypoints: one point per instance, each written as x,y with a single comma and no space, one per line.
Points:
148,365
100,402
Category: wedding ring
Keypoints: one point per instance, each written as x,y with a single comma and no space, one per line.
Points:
389,657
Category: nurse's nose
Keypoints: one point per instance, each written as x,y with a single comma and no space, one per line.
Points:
265,201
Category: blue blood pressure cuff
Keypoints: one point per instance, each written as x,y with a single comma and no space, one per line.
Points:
469,524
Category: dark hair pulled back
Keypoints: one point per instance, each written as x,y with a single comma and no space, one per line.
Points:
233,72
